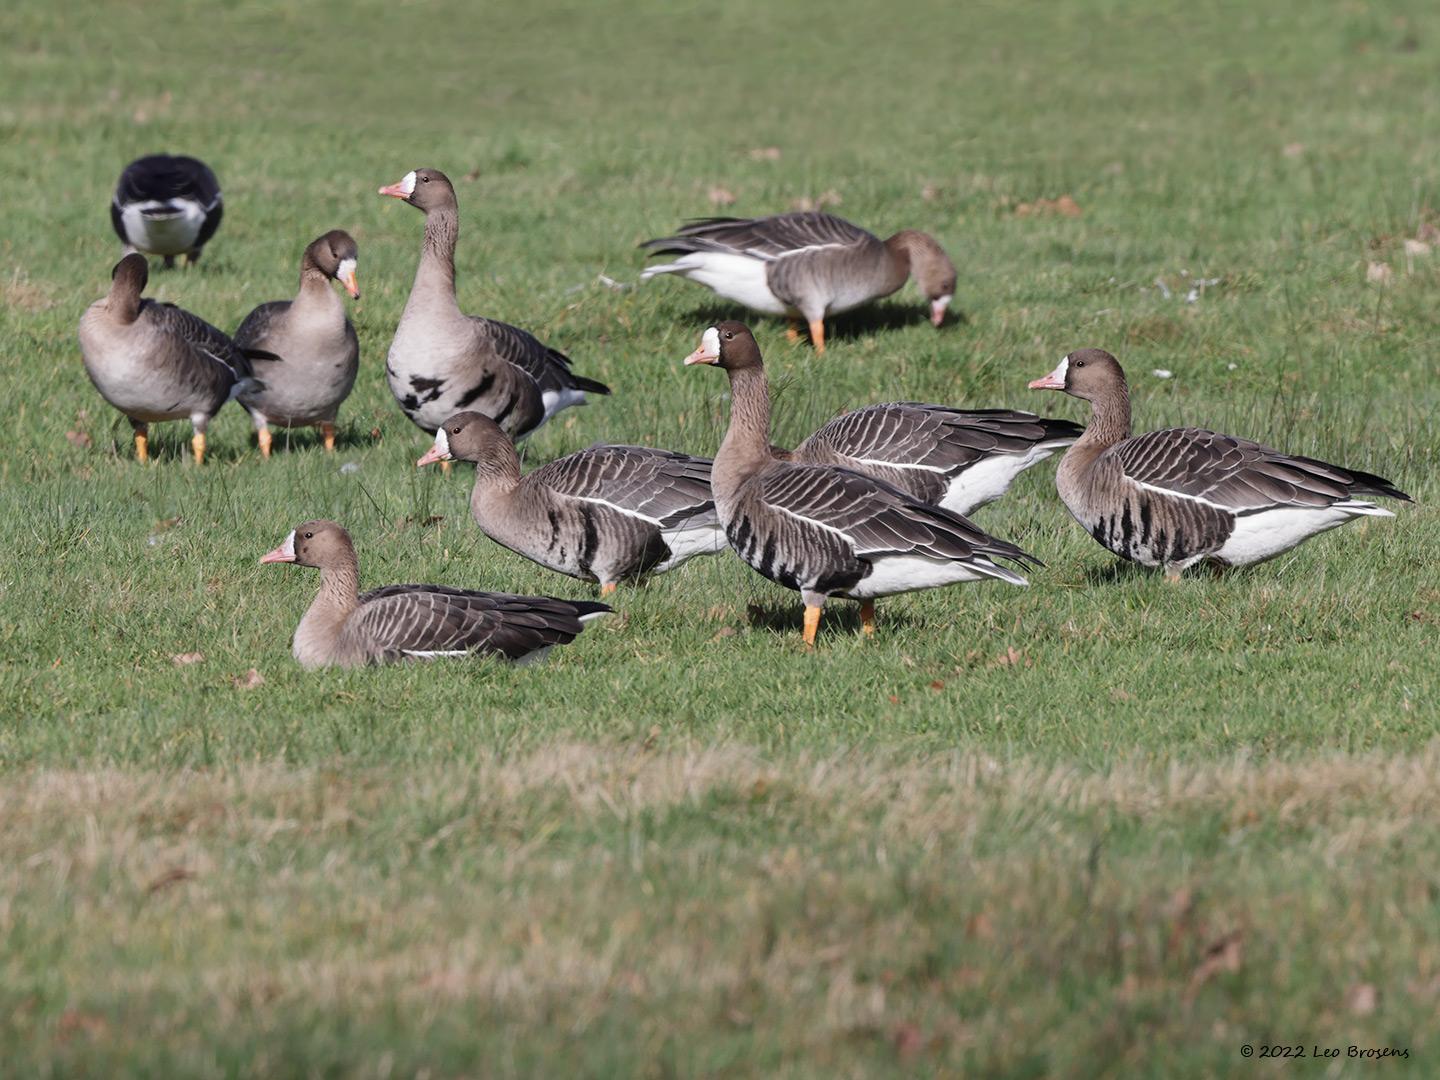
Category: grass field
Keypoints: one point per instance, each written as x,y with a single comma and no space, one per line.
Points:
1104,825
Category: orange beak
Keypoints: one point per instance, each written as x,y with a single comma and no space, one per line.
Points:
351,285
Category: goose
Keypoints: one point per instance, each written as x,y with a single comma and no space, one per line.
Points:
155,361
606,514
804,265
443,361
1173,498
826,531
166,206
957,459
347,628
304,350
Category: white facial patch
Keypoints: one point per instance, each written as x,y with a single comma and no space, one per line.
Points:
1061,369
710,342
943,302
288,547
442,444
345,269
407,185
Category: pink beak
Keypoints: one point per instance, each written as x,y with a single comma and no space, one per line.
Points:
937,311
1049,382
395,190
351,285
278,555
700,356
431,456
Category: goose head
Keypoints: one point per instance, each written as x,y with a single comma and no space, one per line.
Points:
320,544
1085,373
468,436
728,345
334,254
425,189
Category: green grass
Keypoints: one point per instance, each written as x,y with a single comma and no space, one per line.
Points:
970,835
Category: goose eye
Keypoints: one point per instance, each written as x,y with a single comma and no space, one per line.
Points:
1079,363
454,431
729,335
424,179
309,536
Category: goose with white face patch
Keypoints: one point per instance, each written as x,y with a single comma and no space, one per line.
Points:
606,514
166,206
443,361
1172,498
304,350
957,459
155,361
806,265
396,623
826,531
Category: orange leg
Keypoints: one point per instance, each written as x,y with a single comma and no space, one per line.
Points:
263,437
1172,576
197,444
817,335
793,333
142,443
327,432
812,625
867,617
606,588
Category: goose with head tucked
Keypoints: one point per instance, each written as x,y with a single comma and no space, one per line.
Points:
443,361
166,206
607,514
304,350
155,361
347,628
826,531
957,459
806,265
1180,496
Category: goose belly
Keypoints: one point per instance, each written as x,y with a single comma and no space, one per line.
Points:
799,559
139,389
908,573
989,478
1155,531
1261,536
158,228
687,543
433,379
315,374
735,277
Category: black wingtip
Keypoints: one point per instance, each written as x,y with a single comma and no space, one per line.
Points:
590,386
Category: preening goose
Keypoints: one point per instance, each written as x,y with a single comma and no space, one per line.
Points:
1175,497
345,628
166,206
606,514
443,361
805,265
827,531
156,361
957,459
304,350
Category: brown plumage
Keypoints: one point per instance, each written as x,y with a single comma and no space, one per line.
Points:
1175,497
345,628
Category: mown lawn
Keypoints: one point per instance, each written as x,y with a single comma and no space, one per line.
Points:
1101,825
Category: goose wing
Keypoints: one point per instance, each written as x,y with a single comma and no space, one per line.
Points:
877,519
204,339
1238,475
251,335
431,620
909,434
765,238
550,368
664,487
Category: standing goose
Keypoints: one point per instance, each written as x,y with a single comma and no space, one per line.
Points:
155,361
606,514
805,265
827,531
443,361
345,628
304,350
1172,498
166,206
952,458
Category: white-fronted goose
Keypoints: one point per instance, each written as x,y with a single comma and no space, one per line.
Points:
1175,497
827,531
304,351
958,459
155,361
166,206
345,628
805,265
443,361
606,514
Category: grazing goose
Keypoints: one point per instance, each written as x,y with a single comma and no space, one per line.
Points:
1172,498
156,361
952,458
345,628
805,265
304,350
166,206
443,361
606,514
828,531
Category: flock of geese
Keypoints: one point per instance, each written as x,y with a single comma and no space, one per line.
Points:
871,505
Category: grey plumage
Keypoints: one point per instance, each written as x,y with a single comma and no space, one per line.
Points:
343,628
